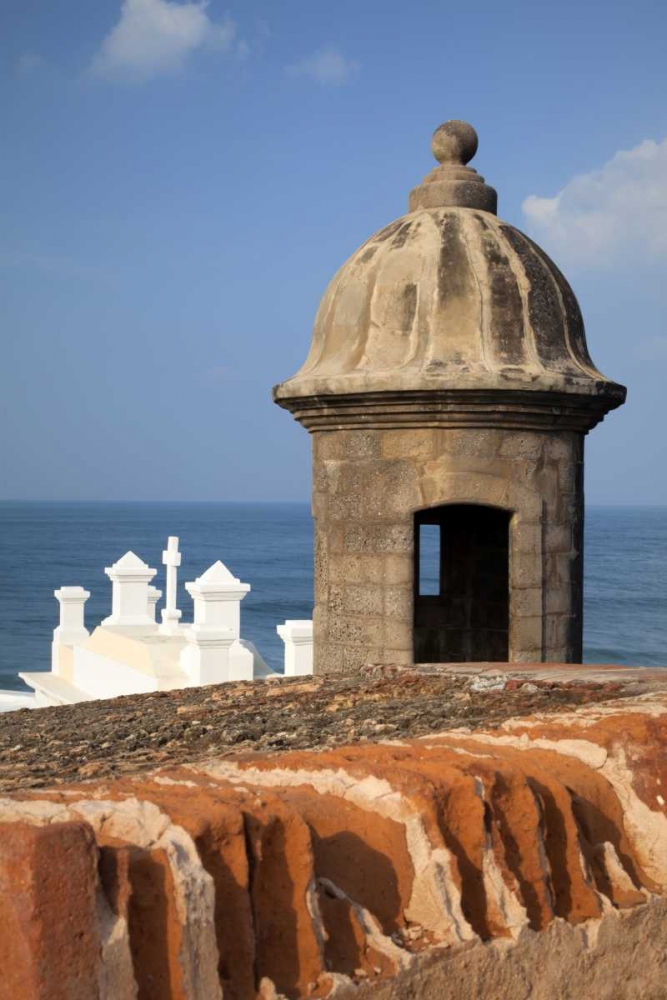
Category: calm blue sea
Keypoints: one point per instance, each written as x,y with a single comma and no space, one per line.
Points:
46,546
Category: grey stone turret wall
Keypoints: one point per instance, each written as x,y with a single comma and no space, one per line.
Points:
368,485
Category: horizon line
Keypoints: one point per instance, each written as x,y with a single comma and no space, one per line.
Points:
27,500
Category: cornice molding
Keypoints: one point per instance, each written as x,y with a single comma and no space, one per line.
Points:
514,409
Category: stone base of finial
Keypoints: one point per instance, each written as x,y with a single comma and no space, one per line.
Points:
171,622
465,189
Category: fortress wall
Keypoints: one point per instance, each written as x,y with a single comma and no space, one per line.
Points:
524,860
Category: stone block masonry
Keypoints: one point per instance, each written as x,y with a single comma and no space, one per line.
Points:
368,485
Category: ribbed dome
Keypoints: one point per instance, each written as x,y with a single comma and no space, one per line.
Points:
449,297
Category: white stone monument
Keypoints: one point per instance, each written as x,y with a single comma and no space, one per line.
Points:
71,630
298,638
130,578
128,653
171,616
217,596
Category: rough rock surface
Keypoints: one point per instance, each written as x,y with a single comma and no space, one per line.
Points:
121,735
525,860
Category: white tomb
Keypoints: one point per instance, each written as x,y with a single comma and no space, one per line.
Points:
129,653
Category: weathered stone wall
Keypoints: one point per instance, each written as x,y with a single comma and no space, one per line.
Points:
367,484
528,860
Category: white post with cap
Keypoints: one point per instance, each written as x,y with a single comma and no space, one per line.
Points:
171,616
205,659
217,596
130,577
71,631
298,639
154,596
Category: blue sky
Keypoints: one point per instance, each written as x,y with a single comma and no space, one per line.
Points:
179,182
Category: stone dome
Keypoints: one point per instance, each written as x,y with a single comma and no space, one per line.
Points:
449,297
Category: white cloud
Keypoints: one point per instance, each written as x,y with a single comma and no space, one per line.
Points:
327,66
154,37
27,63
610,213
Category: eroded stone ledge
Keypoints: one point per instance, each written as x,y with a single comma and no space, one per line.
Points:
125,735
526,860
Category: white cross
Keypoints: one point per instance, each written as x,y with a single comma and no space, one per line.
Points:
171,558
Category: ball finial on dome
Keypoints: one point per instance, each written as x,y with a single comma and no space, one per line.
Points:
452,184
454,142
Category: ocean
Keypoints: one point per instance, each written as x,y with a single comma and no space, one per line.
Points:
44,546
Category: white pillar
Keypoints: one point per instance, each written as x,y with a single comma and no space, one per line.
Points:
209,657
130,578
154,596
217,597
298,639
171,558
205,659
71,629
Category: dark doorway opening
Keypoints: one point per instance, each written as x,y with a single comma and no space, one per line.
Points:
461,579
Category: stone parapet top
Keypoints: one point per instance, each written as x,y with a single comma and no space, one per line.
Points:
560,673
129,734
